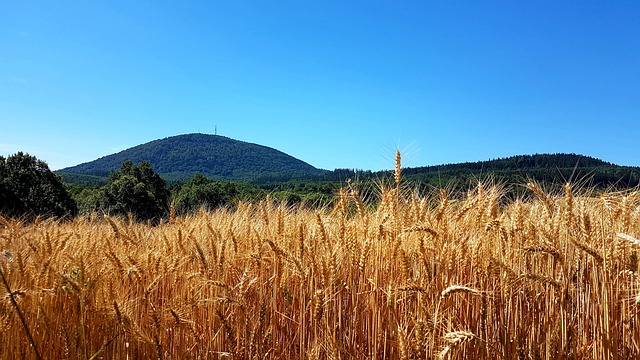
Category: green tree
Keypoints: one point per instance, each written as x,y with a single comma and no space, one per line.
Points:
288,196
28,189
200,191
135,189
87,197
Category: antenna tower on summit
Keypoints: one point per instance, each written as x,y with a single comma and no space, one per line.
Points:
215,130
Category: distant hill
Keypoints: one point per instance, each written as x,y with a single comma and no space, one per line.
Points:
545,168
520,162
180,157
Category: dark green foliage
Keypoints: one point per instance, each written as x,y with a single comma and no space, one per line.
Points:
311,193
87,197
519,162
181,157
203,192
135,189
28,189
83,180
289,197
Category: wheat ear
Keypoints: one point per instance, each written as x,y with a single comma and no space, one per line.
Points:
398,169
454,340
453,289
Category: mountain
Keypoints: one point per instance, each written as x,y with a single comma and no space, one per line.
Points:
551,169
180,157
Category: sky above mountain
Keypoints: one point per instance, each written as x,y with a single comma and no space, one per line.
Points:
338,84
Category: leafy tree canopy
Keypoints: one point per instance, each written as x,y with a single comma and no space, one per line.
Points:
201,191
135,189
28,188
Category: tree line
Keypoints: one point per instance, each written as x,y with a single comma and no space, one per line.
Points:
29,189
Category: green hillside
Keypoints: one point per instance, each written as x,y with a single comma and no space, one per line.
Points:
545,168
180,157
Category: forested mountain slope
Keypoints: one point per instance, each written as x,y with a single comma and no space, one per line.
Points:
180,157
545,168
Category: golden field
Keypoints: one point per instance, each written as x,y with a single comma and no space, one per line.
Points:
476,276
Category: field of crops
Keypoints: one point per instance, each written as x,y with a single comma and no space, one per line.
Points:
477,276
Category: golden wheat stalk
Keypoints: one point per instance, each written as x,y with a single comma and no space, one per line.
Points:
630,239
454,340
426,229
546,200
589,250
454,289
20,315
545,249
397,174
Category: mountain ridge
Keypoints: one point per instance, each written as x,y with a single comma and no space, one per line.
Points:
179,157
558,168
182,156
525,161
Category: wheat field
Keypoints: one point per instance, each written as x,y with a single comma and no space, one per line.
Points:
479,276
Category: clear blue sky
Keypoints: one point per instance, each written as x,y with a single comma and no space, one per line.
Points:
338,84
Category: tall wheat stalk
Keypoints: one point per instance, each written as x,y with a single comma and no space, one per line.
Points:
25,327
